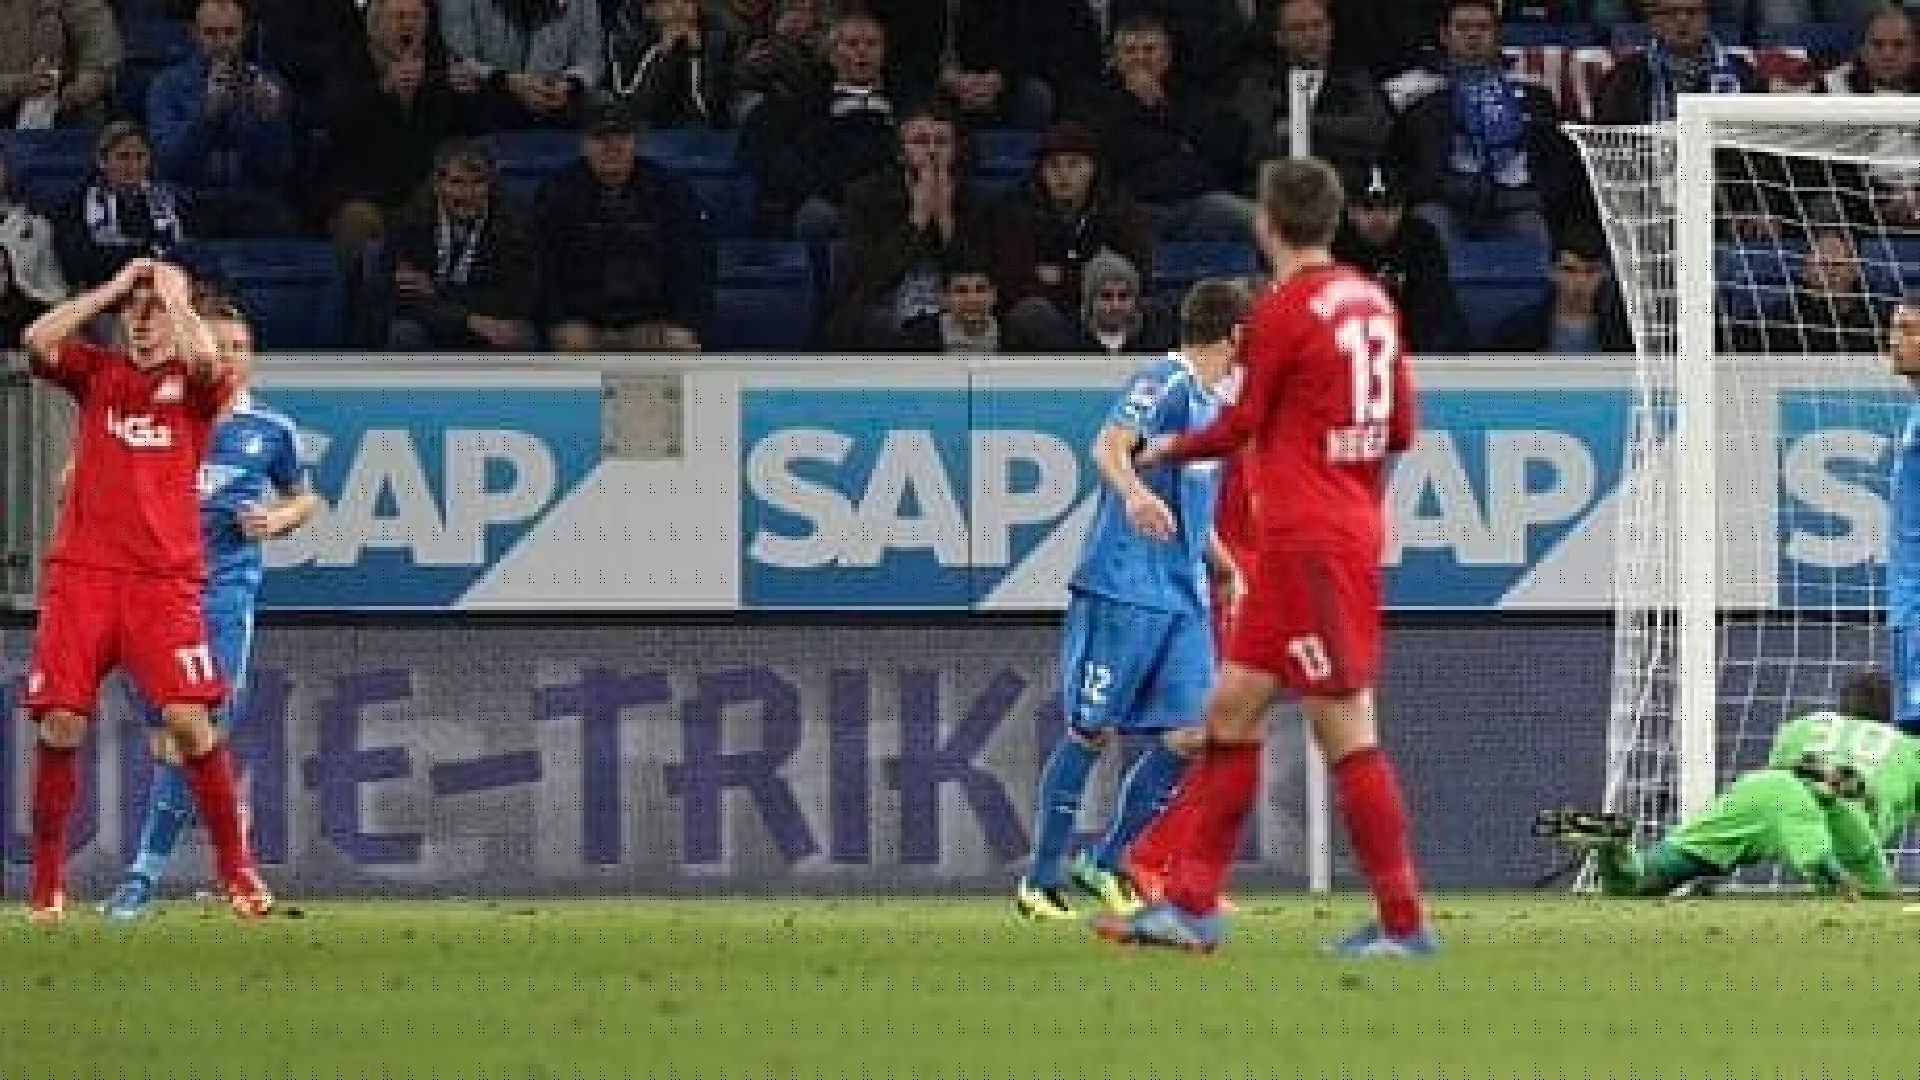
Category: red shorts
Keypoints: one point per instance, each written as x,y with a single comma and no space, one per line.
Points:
93,620
1311,619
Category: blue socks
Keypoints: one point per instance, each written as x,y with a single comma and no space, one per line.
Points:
1062,784
1143,794
168,813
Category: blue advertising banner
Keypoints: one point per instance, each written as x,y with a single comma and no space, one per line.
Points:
1836,454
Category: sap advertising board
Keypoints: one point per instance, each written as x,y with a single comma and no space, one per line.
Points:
897,483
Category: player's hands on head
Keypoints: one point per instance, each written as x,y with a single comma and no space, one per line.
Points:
1149,514
173,285
135,272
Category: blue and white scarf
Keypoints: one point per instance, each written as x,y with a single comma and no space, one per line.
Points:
101,213
1490,128
1711,71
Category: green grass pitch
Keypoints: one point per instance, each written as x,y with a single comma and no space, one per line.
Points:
1531,987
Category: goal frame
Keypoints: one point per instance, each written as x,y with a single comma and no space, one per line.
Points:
1696,518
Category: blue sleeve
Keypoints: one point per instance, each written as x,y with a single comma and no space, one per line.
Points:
285,470
175,116
1143,405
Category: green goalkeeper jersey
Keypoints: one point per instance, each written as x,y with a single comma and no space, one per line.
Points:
1886,758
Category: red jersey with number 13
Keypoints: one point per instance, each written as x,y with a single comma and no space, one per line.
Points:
133,501
1327,399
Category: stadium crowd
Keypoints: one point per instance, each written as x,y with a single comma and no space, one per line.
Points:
912,175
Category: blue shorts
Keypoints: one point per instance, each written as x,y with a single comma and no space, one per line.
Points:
229,615
1903,668
1132,668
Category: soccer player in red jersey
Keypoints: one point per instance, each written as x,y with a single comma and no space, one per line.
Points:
124,576
1327,401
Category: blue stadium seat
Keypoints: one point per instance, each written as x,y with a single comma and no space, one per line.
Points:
1003,157
1496,278
149,45
764,299
1522,35
705,160
49,166
292,289
526,158
1754,277
1825,41
1177,265
1634,35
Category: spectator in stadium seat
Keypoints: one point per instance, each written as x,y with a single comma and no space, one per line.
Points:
305,41
18,307
522,63
466,269
983,53
804,146
121,213
1179,152
1682,57
965,322
1887,63
34,260
903,222
1405,253
1351,119
1829,310
1043,233
57,59
1583,314
1482,152
628,250
386,107
668,64
1115,317
777,51
221,131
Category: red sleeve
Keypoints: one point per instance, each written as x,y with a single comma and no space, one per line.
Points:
72,365
207,396
1266,365
1405,422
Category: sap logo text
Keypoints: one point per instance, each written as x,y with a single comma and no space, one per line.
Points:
389,498
140,431
909,501
1836,515
1532,478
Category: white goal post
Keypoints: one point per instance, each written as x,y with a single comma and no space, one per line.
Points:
1717,635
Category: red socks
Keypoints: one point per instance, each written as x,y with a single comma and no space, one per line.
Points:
211,776
1376,819
56,786
1221,789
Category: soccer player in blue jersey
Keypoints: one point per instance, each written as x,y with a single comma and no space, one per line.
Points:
1138,650
1903,555
252,488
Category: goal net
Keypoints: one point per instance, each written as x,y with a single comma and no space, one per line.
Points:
1761,243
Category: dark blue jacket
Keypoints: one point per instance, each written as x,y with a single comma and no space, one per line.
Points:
239,149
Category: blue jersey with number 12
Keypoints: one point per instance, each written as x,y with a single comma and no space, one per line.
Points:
1121,563
254,458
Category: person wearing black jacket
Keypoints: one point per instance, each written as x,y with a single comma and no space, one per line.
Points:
1406,254
628,251
1584,313
465,269
668,64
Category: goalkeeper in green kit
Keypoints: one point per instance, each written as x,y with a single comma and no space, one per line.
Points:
1838,786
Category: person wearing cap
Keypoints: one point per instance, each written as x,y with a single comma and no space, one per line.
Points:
1042,233
122,212
1115,317
628,251
1482,151
465,266
1351,119
1582,315
1378,236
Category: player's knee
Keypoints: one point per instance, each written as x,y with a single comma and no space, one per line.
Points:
1092,738
62,728
190,728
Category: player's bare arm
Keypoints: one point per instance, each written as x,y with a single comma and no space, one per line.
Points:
1113,455
65,320
1904,339
286,516
1228,584
193,341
